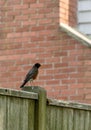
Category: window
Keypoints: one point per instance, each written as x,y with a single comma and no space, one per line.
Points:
84,16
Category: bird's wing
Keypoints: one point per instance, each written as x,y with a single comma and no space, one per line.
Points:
31,73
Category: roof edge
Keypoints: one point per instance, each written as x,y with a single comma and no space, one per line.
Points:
76,34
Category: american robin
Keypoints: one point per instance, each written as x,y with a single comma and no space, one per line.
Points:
32,74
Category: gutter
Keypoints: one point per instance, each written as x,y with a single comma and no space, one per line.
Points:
76,34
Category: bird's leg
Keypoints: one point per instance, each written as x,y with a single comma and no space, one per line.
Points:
28,84
31,82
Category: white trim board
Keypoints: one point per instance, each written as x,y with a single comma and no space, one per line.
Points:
76,34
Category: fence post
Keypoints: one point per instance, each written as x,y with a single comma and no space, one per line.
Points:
41,112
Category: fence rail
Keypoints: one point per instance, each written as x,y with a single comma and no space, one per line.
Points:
25,110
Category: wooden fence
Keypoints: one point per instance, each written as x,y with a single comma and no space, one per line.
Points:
21,110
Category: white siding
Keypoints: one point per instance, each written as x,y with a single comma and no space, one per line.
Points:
85,28
84,16
84,5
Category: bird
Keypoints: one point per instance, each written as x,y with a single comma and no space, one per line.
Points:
32,74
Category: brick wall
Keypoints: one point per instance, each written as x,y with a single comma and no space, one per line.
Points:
29,33
68,12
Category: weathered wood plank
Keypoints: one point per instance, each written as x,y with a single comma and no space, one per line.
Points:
70,119
3,112
17,93
23,115
48,126
59,118
65,119
54,118
13,113
87,120
51,114
81,119
76,120
19,112
69,104
31,114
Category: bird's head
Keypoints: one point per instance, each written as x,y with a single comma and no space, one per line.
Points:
37,65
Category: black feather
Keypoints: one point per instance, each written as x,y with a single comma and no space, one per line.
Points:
31,74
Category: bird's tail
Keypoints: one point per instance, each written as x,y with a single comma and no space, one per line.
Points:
22,84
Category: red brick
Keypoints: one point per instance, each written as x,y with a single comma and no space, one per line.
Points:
12,24
20,18
61,65
49,38
15,57
68,47
44,10
53,71
76,86
76,75
69,81
2,3
87,85
62,53
37,50
68,59
35,16
52,5
28,11
22,62
63,98
7,19
88,97
47,66
28,34
36,39
14,68
37,5
51,27
45,33
46,77
37,28
7,63
13,13
20,7
20,39
6,8
69,70
54,60
29,1
61,76
12,2
77,98
33,22
7,30
76,63
22,29
13,35
68,92
45,21
52,49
